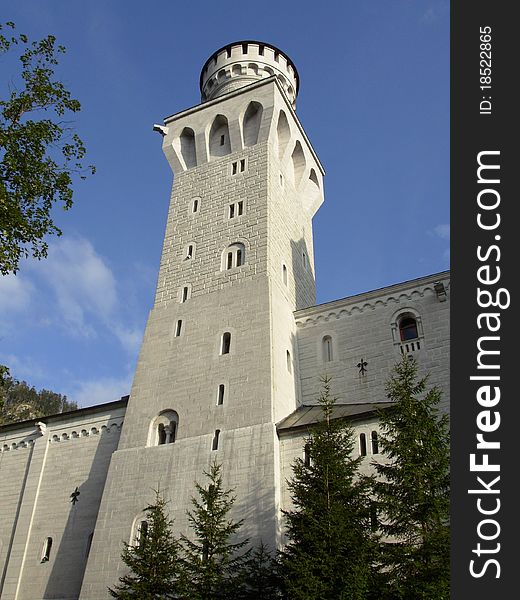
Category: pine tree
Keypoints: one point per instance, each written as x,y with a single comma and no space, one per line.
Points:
153,559
330,549
412,490
212,564
261,578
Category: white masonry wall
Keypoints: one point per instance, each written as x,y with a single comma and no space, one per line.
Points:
39,470
365,327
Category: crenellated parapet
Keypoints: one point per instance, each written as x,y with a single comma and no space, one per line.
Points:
241,63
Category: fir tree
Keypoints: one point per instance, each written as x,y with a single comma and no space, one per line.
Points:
330,549
261,578
153,559
412,490
212,565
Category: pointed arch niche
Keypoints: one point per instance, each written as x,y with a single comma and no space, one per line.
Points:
298,161
188,147
219,142
251,125
283,133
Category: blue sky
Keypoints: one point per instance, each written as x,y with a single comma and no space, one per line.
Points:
374,101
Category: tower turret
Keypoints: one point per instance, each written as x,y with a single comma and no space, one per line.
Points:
241,63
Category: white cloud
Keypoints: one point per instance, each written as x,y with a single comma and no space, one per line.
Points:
15,293
25,368
443,231
83,284
85,292
98,391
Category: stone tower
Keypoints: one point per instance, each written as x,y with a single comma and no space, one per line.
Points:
217,366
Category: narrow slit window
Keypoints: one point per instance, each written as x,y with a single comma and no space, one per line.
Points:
178,328
142,534
214,445
284,274
244,48
222,140
239,258
289,361
189,252
230,260
362,444
234,168
195,207
231,211
304,259
46,550
328,353
226,343
184,295
261,49
220,394
240,208
242,165
307,455
375,442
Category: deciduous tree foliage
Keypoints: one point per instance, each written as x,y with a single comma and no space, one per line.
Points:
39,152
153,559
213,564
412,490
331,548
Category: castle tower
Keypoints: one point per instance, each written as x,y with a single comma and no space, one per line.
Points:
217,366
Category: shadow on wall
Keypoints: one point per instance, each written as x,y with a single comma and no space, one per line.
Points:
68,560
302,275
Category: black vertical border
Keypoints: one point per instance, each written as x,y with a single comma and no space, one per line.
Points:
471,133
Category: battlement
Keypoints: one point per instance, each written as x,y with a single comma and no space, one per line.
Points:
241,63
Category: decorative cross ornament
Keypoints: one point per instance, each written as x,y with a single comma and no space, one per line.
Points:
74,496
362,366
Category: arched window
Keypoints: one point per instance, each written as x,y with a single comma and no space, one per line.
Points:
142,533
362,444
328,353
220,394
408,329
233,256
375,442
178,328
46,550
225,344
189,251
163,429
307,455
219,142
214,444
184,295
